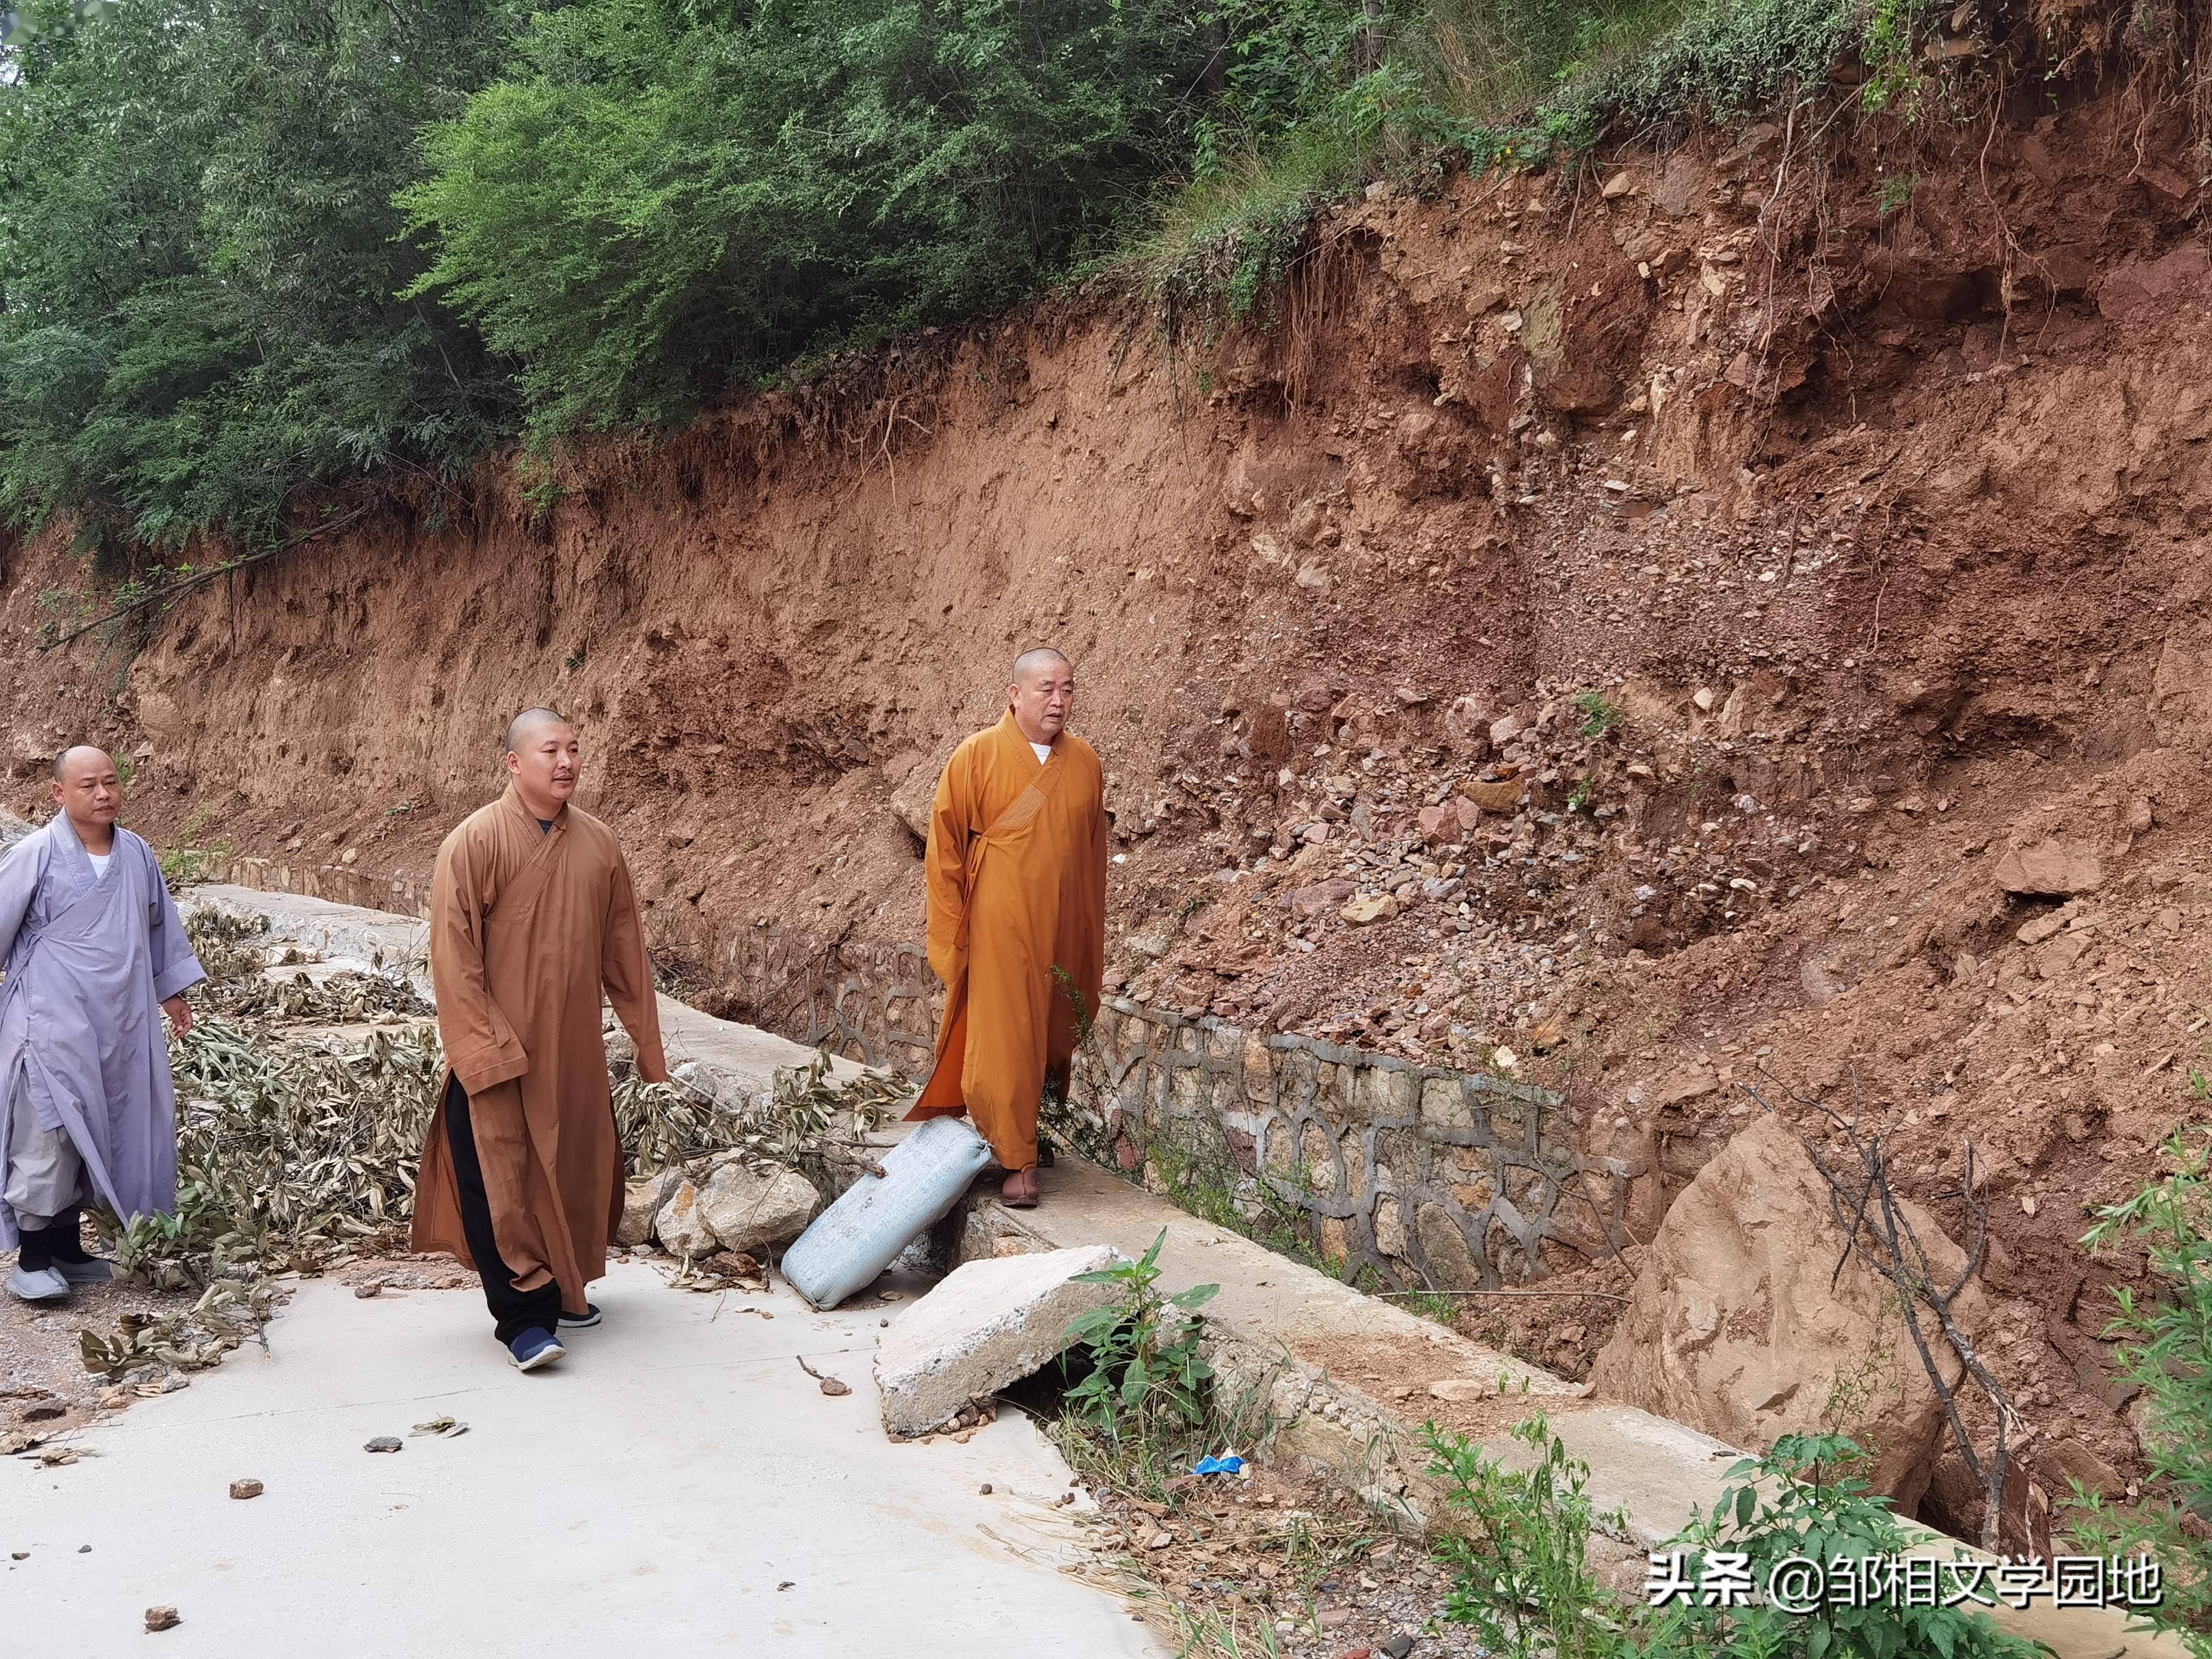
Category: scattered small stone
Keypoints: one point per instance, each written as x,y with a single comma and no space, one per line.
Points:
161,1619
18,1555
363,1292
84,1549
831,1386
985,1489
786,1584
246,1489
1398,1646
383,1443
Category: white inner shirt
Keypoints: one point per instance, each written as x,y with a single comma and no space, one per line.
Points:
1043,751
99,864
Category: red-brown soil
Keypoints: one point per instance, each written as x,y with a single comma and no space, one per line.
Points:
1880,532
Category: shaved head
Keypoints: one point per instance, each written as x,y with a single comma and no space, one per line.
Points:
1037,657
82,754
1042,694
90,792
524,727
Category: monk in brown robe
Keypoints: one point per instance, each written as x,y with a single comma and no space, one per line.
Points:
1017,874
531,913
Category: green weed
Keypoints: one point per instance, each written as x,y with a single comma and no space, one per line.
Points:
2166,1349
1145,1372
1522,1578
1601,714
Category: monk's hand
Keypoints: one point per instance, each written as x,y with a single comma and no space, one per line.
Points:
180,1015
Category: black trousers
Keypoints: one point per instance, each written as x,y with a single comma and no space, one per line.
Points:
514,1311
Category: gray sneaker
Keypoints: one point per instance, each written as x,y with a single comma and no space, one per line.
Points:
43,1286
93,1270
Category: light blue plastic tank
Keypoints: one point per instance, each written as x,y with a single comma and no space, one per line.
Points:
856,1237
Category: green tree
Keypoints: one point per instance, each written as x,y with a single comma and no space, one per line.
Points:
200,260
664,197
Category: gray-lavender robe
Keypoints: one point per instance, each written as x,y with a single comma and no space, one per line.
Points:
89,963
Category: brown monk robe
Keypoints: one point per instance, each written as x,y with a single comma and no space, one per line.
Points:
1017,876
532,912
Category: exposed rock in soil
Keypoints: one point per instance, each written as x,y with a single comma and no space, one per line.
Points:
1741,1326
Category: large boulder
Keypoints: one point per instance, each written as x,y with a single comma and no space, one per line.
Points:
988,1324
752,1211
1735,1330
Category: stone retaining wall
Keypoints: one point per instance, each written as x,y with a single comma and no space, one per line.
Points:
1412,1175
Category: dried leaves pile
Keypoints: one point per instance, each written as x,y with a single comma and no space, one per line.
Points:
808,1118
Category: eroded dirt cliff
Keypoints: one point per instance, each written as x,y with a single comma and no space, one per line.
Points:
1634,629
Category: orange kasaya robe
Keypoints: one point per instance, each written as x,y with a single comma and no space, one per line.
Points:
1017,873
526,924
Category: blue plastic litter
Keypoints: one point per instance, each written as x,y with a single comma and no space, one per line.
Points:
1219,1466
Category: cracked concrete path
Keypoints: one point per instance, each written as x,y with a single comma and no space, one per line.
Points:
677,1485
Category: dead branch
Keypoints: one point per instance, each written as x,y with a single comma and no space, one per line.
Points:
1879,1233
201,577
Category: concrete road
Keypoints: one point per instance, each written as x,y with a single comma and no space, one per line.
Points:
677,1487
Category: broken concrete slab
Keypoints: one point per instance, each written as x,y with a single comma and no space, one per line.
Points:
988,1324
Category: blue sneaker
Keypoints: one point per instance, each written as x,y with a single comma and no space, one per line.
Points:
583,1320
533,1348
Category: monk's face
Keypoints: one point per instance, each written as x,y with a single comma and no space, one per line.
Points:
543,763
88,791
1044,698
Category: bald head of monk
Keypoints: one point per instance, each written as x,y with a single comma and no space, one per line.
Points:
542,760
1042,694
90,792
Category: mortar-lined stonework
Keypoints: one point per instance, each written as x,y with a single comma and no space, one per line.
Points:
1416,1176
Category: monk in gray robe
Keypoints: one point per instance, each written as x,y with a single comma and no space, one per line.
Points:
95,953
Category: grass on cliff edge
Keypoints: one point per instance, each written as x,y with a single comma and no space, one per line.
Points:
1496,83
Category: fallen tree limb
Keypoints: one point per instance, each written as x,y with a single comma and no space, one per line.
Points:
201,577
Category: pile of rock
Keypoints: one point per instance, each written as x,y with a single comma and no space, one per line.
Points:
727,1204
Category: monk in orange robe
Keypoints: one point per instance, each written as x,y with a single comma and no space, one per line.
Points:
531,913
1017,874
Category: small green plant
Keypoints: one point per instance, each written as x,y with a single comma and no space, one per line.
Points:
1523,1580
1146,1373
1580,796
1520,1553
1600,715
183,866
1433,1304
1896,191
1892,82
2166,1349
575,659
1799,1503
536,472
